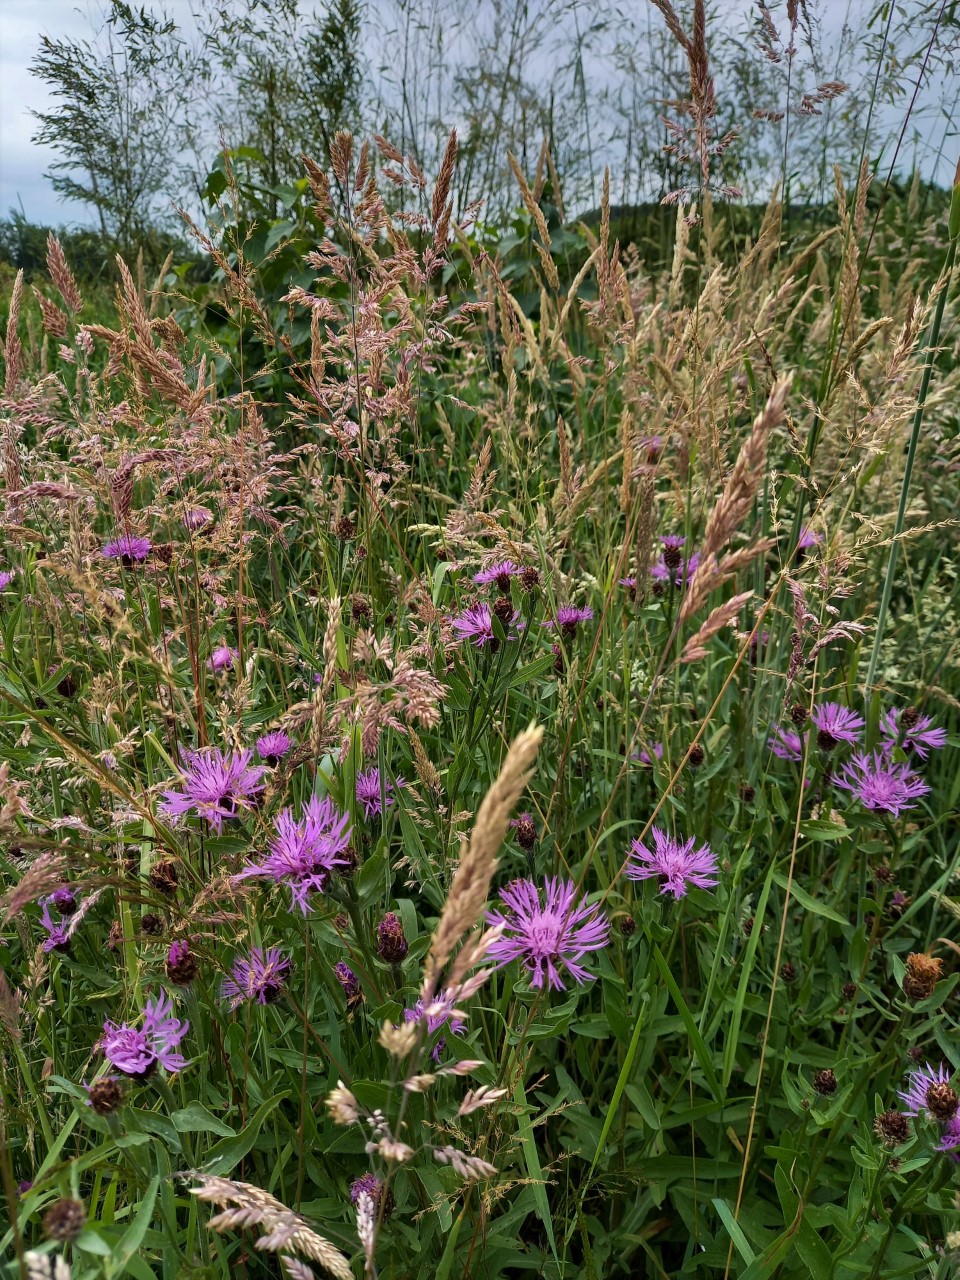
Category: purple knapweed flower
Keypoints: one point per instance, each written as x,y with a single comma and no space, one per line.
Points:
501,572
439,1013
197,518
302,855
629,582
836,723
880,784
368,1184
137,1052
374,794
911,731
476,625
6,577
222,658
808,538
258,977
272,747
671,566
64,900
649,757
127,549
677,863
919,1084
569,618
545,936
60,931
214,786
785,743
349,982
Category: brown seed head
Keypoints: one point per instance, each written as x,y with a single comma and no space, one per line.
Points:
106,1096
696,757
943,1101
922,975
64,1220
892,1128
164,876
798,714
529,579
825,1082
151,925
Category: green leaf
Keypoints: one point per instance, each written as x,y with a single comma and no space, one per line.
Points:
696,1039
195,1118
132,1238
734,1231
227,1154
809,902
531,1159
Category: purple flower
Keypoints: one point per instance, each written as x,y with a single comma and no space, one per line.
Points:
374,796
919,1084
569,618
662,571
544,937
366,1185
64,900
6,577
785,743
303,854
137,1053
349,981
676,862
222,658
438,1013
808,538
835,723
476,625
648,757
878,783
59,932
197,518
273,746
501,572
215,786
950,1139
127,549
911,731
628,582
259,977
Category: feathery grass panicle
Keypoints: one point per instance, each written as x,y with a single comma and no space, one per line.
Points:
470,887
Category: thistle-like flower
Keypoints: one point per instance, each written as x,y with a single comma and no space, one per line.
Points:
197,518
138,1052
272,747
259,977
127,549
303,854
786,743
911,731
439,1013
222,658
880,784
929,1090
671,565
836,723
6,577
375,794
547,936
476,625
568,619
349,982
214,786
501,572
677,863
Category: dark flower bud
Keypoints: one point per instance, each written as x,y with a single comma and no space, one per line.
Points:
747,793
106,1095
341,922
892,1128
696,756
349,982
391,943
628,926
748,926
883,874
915,1053
115,937
658,588
943,1101
182,965
359,609
345,529
503,609
899,901
151,925
559,665
164,876
67,686
526,831
672,557
848,990
503,583
798,714
64,1220
529,579
788,973
910,718
825,1082
351,860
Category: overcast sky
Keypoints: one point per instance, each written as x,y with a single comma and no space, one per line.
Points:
23,164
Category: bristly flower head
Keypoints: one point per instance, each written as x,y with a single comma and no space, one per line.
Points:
671,566
127,549
878,783
678,864
476,625
910,730
137,1053
60,931
501,572
785,743
214,786
222,658
374,793
950,1139
569,618
303,854
349,982
197,518
438,1014
925,1088
835,723
272,747
6,577
545,936
258,977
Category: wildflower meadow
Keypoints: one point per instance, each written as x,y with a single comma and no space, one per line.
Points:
479,738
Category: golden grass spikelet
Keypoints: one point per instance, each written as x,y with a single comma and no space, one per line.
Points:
12,348
737,497
54,320
724,615
536,213
471,882
252,1206
61,275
